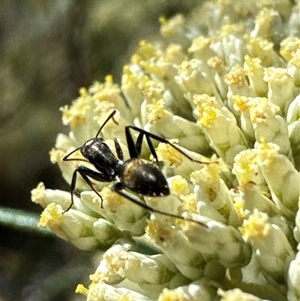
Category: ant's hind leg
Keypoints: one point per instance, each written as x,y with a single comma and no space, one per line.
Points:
119,188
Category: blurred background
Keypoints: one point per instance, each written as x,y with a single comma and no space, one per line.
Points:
49,49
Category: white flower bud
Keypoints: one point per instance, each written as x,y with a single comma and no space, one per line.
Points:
174,28
246,168
132,74
271,246
238,85
73,226
294,278
254,198
255,72
264,50
136,267
293,22
192,81
282,179
281,88
199,290
220,126
237,295
105,292
214,197
118,210
297,227
42,196
188,134
224,243
175,246
267,22
294,107
105,232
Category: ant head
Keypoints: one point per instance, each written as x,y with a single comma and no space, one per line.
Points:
91,145
98,153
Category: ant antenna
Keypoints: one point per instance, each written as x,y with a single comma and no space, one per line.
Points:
66,158
111,116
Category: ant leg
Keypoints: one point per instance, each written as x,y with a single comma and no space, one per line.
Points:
73,185
133,148
87,173
160,139
152,150
137,147
138,143
118,149
119,188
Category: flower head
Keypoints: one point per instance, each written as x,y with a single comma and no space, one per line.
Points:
221,103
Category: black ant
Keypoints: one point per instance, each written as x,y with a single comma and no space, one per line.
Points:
135,174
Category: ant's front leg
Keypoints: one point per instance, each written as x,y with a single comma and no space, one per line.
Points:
86,174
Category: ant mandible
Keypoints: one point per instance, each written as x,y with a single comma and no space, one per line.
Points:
135,174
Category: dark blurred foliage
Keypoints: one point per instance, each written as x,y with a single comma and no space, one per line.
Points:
49,49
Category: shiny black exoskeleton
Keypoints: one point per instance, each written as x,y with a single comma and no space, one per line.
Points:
135,174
